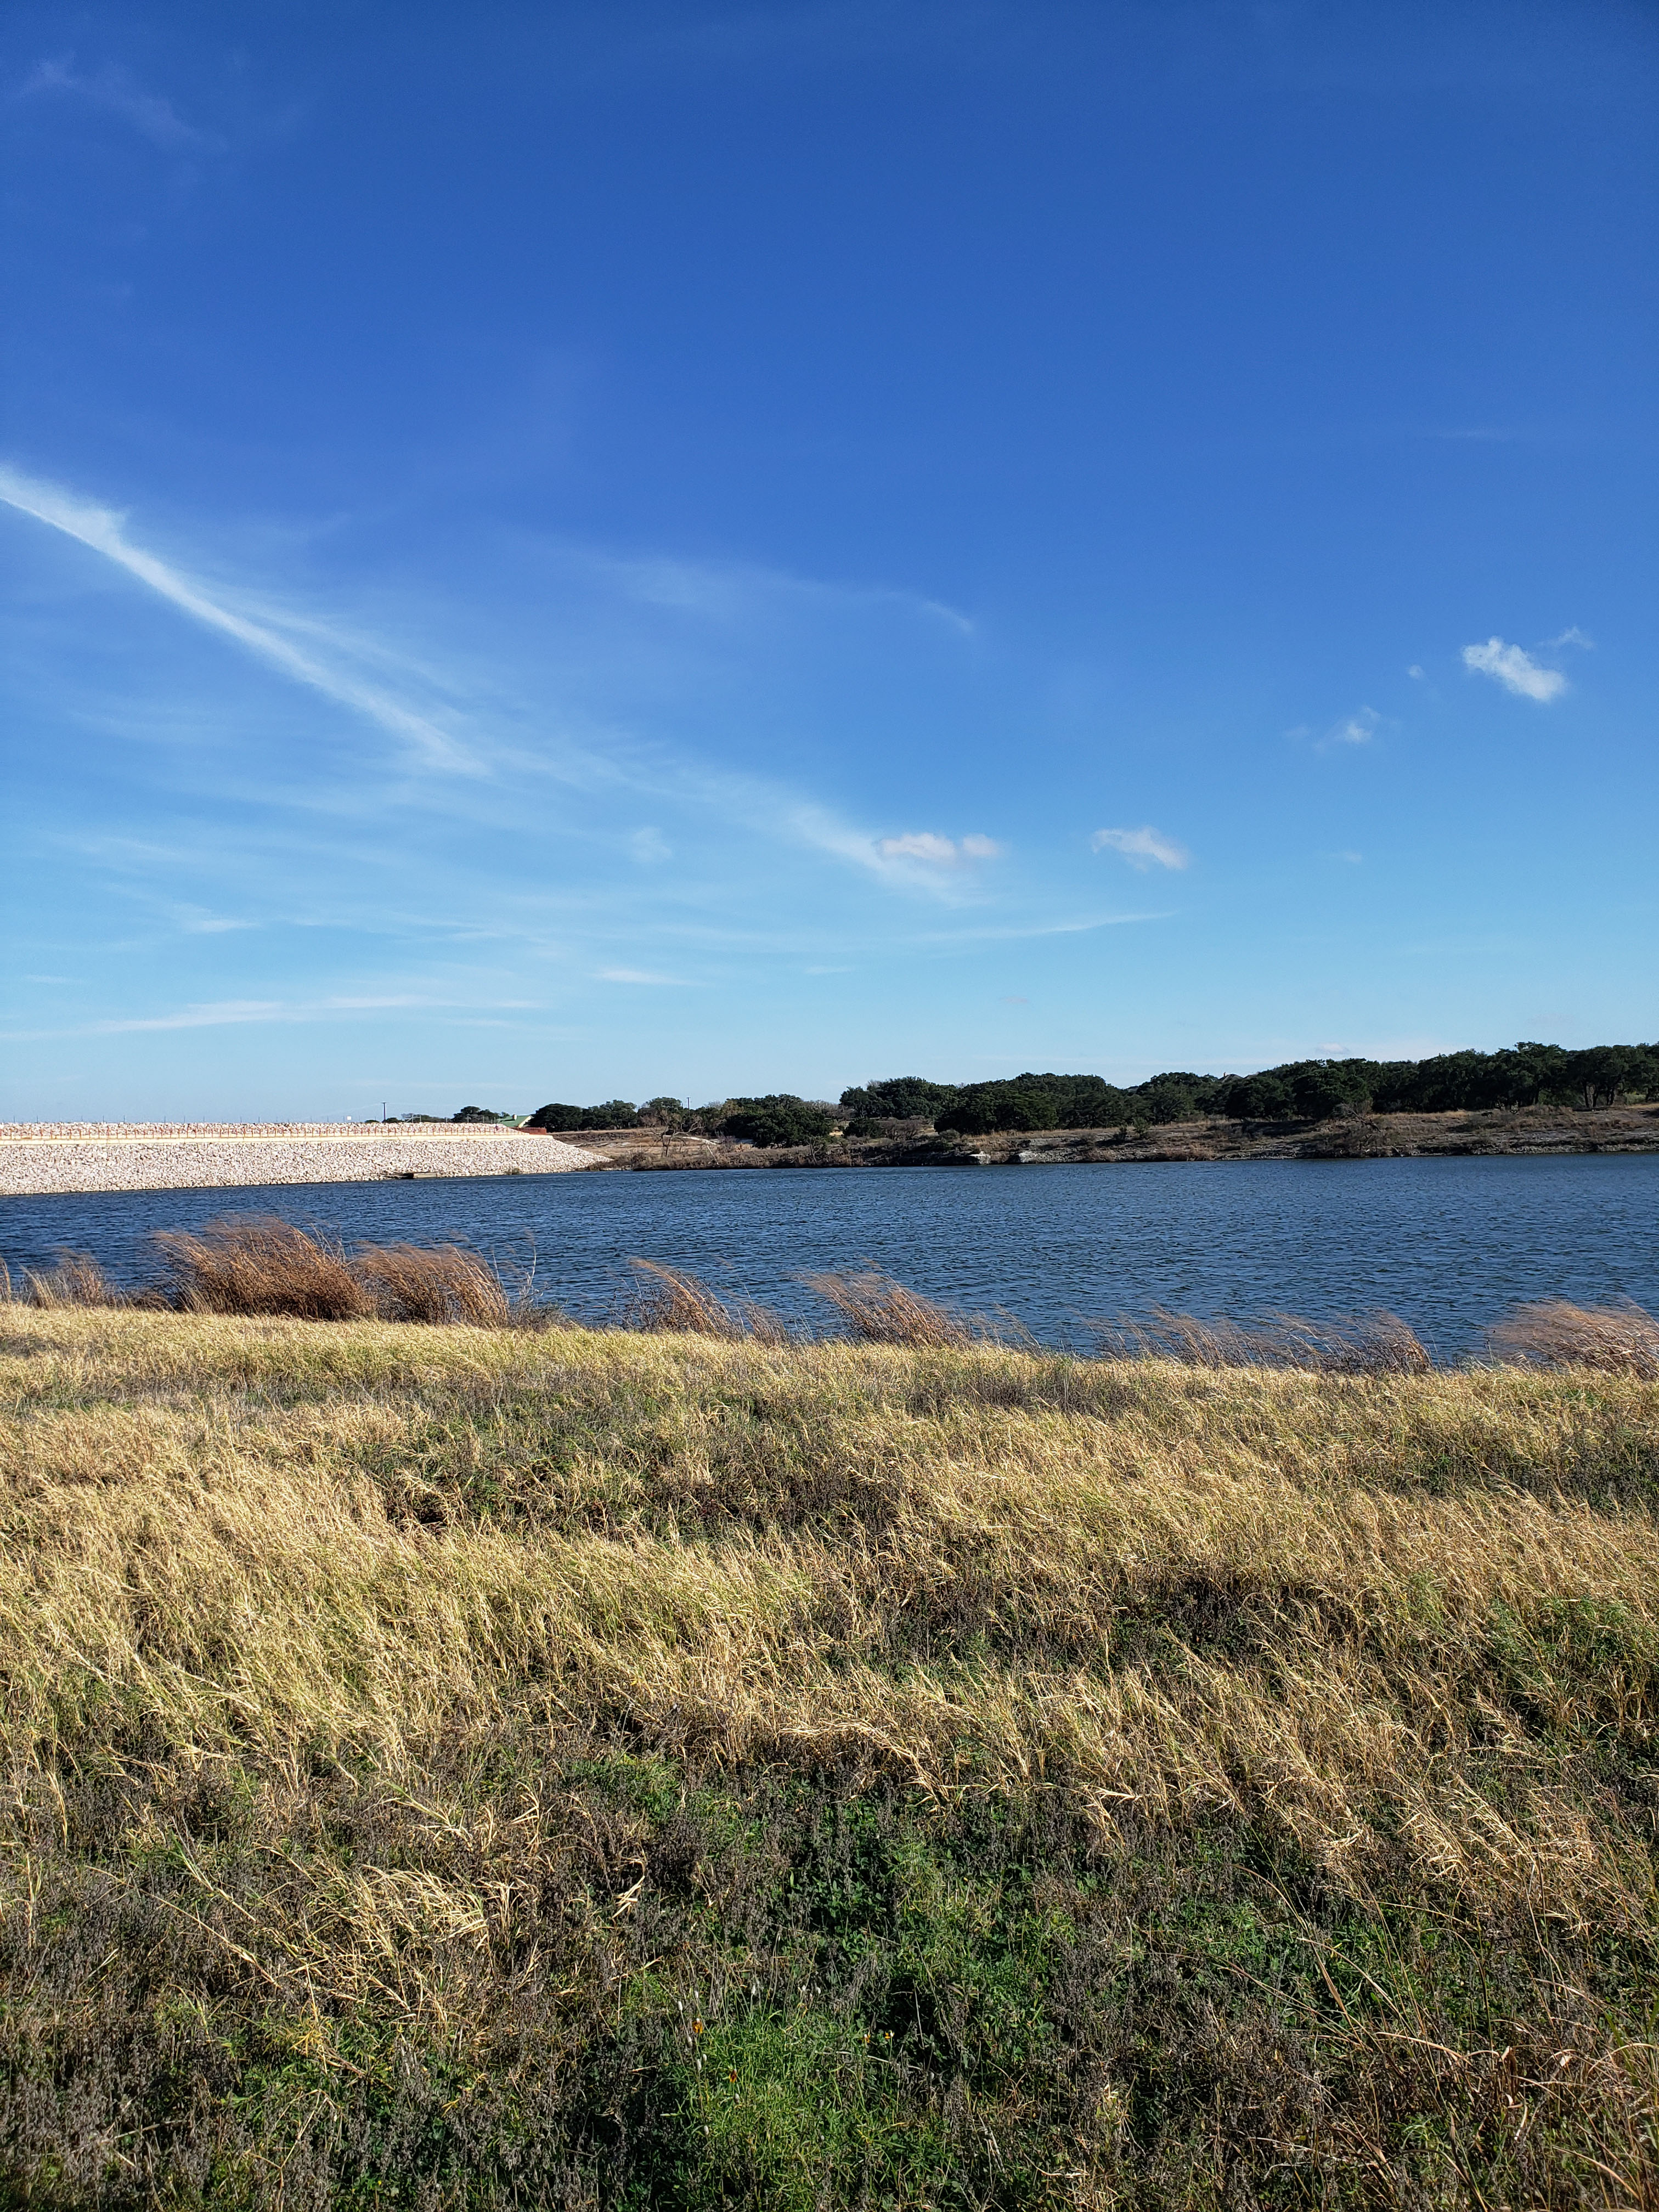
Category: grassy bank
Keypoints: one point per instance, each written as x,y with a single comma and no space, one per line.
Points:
476,1767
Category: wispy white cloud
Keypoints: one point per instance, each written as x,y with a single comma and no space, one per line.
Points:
639,975
1000,933
731,591
1415,672
470,730
1142,849
1356,729
1514,667
649,847
102,530
116,91
221,1013
1572,636
937,852
217,1015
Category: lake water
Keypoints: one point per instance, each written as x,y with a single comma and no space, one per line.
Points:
1450,1244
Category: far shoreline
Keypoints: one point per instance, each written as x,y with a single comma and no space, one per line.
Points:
197,1157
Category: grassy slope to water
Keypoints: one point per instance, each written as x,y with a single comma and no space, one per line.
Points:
461,1767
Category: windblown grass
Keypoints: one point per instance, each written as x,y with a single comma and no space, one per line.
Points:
462,1766
1616,1339
76,1280
248,1264
672,1301
434,1284
881,1311
260,1265
1354,1344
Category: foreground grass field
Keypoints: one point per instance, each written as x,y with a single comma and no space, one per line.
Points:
483,1767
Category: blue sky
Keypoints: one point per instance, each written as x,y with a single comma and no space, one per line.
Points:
560,550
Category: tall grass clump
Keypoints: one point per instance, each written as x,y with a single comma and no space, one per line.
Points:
1620,1339
878,1310
1351,1344
436,1284
76,1280
673,1302
258,1264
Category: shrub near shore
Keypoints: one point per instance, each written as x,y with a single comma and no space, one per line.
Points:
464,1765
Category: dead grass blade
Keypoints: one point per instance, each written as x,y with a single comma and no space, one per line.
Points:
76,1280
669,1300
440,1284
1344,1344
881,1311
257,1264
1619,1339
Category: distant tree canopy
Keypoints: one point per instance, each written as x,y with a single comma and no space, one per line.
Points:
614,1114
1526,1074
470,1113
779,1118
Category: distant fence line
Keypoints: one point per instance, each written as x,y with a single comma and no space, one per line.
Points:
93,1131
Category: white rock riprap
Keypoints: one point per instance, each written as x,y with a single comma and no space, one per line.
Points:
40,1158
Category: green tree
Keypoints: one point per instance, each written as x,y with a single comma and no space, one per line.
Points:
614,1114
779,1118
1321,1088
1602,1074
900,1098
556,1116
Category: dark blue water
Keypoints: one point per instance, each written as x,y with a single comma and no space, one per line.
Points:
1448,1244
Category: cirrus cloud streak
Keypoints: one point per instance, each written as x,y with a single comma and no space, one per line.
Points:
1142,849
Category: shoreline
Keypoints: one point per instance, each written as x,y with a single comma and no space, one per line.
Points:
1528,1132
205,1156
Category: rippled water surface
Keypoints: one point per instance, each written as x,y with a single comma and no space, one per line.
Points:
1448,1244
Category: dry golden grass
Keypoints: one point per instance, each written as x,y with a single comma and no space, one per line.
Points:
258,1264
671,1302
436,1284
878,1310
315,1641
1358,1344
77,1280
1614,1340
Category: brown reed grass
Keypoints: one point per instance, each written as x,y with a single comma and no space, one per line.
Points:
878,1310
76,1280
435,1284
1353,1343
259,1264
1618,1339
673,1302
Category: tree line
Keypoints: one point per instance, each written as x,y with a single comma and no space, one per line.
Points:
1525,1075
